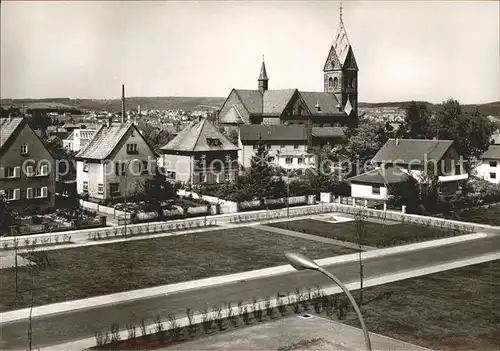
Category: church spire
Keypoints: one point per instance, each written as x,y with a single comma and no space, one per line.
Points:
340,10
263,80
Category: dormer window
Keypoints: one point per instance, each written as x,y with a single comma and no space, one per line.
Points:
213,142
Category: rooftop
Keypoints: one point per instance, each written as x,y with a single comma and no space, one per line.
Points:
404,151
104,141
7,128
381,176
493,152
276,132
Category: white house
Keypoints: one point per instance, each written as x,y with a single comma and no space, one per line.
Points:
78,139
116,163
489,167
399,159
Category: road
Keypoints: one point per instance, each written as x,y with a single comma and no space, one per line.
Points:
67,327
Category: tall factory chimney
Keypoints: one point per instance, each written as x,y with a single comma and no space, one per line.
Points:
123,103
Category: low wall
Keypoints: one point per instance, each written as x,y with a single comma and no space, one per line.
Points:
224,206
92,206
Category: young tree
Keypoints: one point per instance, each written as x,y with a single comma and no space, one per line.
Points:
155,136
359,224
321,176
260,175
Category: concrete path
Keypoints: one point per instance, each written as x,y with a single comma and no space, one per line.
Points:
320,239
65,329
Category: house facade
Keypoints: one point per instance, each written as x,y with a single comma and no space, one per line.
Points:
287,145
200,154
115,164
399,159
78,139
489,165
28,170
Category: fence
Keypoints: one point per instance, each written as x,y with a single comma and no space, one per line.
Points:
224,206
101,208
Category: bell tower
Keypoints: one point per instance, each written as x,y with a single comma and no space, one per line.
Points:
341,72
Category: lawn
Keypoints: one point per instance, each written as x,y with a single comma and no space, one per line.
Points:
457,309
378,235
483,215
103,269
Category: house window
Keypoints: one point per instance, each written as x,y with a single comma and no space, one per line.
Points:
132,149
375,190
296,146
38,192
300,160
120,168
24,149
113,188
288,160
44,170
493,163
493,176
202,178
85,186
458,169
271,159
9,194
85,166
144,167
100,188
9,172
335,82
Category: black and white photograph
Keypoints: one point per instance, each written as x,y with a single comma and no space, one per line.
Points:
249,175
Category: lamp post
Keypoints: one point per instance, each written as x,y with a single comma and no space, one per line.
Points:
301,262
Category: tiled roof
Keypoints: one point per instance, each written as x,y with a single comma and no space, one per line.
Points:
493,152
252,99
405,150
381,176
7,128
232,116
275,101
104,141
327,132
341,43
194,138
327,102
253,132
71,136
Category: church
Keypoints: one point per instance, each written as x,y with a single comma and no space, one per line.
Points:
321,114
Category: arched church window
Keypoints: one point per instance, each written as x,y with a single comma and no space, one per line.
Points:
353,83
335,82
299,111
330,82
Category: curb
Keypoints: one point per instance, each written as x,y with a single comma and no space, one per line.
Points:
99,301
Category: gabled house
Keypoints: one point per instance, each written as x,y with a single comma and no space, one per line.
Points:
115,164
399,159
489,166
27,169
200,154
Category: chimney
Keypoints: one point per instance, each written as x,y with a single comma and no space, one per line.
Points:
10,117
318,108
123,103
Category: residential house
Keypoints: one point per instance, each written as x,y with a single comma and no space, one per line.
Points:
489,166
27,171
418,158
116,163
78,139
200,154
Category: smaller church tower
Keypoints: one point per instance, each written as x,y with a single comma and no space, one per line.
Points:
263,80
341,72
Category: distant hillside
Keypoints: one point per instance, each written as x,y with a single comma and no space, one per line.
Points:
190,103
491,108
114,105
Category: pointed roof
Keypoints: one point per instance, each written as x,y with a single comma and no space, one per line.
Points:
194,138
381,176
104,141
8,126
404,151
341,54
263,73
341,43
233,116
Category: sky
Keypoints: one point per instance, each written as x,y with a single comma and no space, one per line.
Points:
405,50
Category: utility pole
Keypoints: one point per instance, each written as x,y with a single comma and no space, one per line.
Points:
288,193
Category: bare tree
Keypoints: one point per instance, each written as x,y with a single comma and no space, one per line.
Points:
359,223
31,265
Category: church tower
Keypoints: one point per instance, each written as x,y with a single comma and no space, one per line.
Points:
263,80
341,72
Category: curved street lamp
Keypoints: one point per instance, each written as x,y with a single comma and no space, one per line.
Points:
301,262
